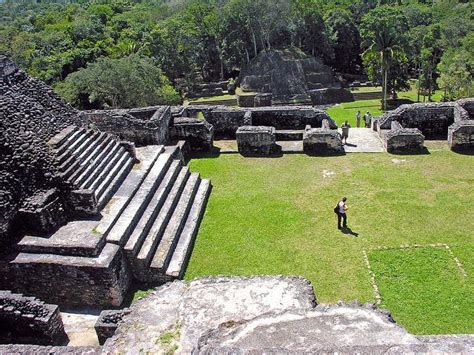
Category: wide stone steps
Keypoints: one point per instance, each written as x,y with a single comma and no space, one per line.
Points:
142,260
92,160
184,246
149,218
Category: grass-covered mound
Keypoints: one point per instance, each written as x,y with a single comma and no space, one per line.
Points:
275,216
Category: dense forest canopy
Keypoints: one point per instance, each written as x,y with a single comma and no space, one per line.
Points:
72,44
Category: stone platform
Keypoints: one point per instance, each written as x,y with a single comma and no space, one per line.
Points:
263,314
363,140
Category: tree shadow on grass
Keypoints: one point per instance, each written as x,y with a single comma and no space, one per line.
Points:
347,230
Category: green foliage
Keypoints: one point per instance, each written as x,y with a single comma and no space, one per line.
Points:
195,40
457,70
125,83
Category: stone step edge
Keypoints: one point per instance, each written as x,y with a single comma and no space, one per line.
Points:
180,258
165,248
142,259
120,232
143,226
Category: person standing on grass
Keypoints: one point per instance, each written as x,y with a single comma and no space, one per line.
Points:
341,209
358,119
345,131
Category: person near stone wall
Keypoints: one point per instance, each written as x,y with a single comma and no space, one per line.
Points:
367,119
358,119
345,131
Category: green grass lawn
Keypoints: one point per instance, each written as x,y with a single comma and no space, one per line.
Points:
425,284
275,216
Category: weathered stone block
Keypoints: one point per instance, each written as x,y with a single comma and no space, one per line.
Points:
83,202
108,322
43,213
322,141
461,135
404,140
102,280
246,100
198,133
256,140
226,121
27,320
290,117
262,100
143,126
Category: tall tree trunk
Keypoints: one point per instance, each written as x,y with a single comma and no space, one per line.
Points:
419,86
254,41
385,81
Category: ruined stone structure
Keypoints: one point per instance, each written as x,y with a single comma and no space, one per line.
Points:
404,129
256,140
226,121
263,314
31,113
108,322
322,141
461,132
142,126
198,133
139,208
289,76
26,320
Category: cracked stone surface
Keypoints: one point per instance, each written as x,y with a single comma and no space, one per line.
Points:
325,327
179,313
263,314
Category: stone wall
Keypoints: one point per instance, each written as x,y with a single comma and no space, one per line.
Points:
143,126
405,128
198,133
225,121
290,117
31,113
403,140
103,280
330,96
432,119
27,320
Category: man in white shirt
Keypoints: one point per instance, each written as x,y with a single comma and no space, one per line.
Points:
341,213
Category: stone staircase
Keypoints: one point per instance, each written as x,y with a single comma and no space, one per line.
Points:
145,229
91,160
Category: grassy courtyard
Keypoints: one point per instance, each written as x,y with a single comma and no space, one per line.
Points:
275,216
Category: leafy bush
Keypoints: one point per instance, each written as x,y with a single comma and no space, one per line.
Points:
119,83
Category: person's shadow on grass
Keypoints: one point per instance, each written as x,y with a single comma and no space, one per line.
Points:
347,230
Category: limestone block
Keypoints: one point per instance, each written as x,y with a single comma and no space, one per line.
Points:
43,213
461,135
404,140
198,133
83,202
330,95
322,141
256,140
263,100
